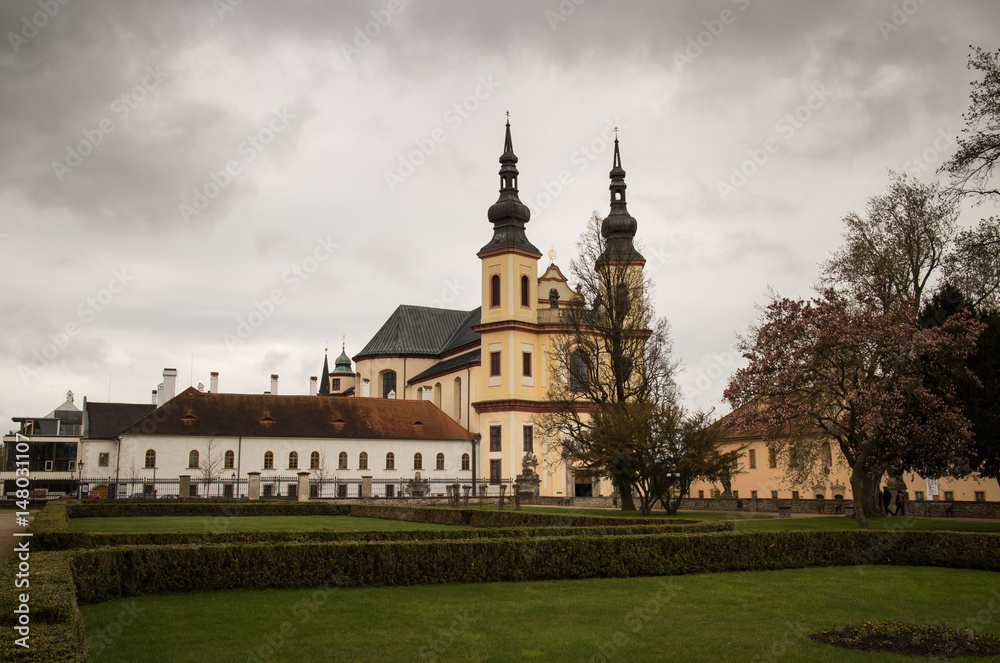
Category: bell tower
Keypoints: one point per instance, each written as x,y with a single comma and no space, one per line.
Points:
509,260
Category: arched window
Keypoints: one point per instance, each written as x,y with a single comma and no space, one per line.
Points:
363,460
293,460
150,458
314,460
437,394
418,461
465,461
390,461
524,292
579,371
342,461
495,291
827,455
193,459
389,384
439,462
268,460
458,399
229,460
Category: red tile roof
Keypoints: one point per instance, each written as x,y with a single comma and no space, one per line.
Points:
195,413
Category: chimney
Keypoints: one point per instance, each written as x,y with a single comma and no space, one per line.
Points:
274,384
169,383
313,385
159,391
213,383
154,401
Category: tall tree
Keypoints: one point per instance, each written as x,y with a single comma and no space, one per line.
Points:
844,368
614,351
971,167
898,247
980,395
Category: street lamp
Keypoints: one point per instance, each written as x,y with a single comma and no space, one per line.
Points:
154,482
79,478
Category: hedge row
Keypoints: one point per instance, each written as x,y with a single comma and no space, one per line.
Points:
110,573
117,508
438,515
56,627
70,540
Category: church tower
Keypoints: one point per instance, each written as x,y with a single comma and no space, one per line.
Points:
509,260
511,345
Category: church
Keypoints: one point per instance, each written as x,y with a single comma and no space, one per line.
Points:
489,368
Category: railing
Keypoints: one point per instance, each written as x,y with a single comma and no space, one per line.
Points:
271,487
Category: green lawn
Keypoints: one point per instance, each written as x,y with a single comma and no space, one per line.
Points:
237,523
894,524
722,617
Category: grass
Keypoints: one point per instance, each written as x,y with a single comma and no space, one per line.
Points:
733,616
905,523
618,513
239,523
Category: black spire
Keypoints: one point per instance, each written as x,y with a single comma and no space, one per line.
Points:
324,380
508,214
618,229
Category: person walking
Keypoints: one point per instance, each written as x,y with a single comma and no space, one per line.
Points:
900,503
886,500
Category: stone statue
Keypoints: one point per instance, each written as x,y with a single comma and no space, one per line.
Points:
553,298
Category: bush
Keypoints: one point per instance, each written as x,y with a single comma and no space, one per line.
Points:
117,508
52,518
109,573
70,540
56,625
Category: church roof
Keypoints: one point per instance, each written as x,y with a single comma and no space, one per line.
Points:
342,365
448,365
198,414
106,420
422,330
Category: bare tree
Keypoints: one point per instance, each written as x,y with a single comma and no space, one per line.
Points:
613,352
971,167
210,463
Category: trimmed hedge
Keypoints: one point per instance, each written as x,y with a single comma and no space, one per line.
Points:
56,625
70,540
110,573
437,515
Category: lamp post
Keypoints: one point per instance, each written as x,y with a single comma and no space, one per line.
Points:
154,482
233,491
79,478
476,437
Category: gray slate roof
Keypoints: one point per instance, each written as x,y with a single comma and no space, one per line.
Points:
106,420
422,330
461,361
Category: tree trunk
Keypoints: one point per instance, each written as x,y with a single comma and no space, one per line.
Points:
625,496
864,497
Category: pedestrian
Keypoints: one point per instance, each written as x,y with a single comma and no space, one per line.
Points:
900,503
886,500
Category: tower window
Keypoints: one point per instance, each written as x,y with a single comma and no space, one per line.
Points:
388,384
335,384
495,443
526,364
579,371
495,291
529,439
494,364
524,291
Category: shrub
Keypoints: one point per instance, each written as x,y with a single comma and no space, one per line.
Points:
109,573
56,625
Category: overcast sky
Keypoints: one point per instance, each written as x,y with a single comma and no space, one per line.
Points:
169,167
